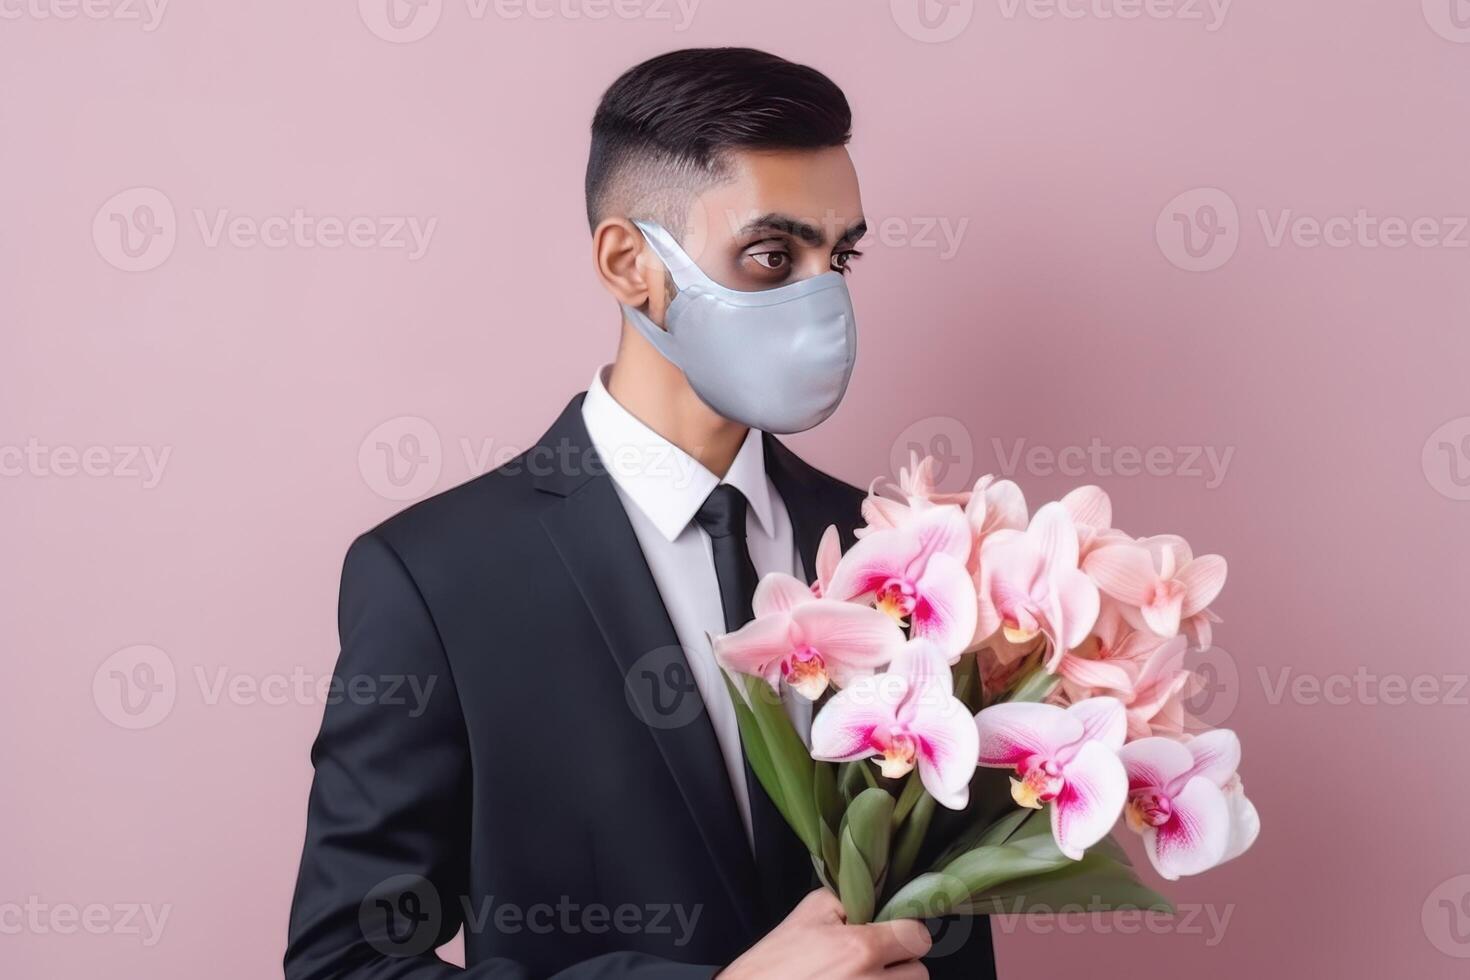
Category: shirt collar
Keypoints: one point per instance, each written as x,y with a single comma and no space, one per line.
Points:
664,482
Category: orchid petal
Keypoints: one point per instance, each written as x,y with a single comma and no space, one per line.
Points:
1123,571
829,552
778,592
1013,731
1075,604
1203,579
1196,835
1094,673
878,557
1155,762
756,646
1162,616
1245,822
948,747
943,530
1090,801
1103,720
843,729
945,612
923,665
1055,535
1090,507
1216,755
844,632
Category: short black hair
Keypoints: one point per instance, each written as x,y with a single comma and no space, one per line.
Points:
666,124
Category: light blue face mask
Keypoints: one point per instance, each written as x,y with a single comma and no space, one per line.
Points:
777,360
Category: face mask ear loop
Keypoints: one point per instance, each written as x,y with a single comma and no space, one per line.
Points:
679,265
682,268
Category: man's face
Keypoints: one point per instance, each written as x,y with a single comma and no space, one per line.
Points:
783,216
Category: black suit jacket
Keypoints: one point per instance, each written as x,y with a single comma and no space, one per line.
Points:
515,744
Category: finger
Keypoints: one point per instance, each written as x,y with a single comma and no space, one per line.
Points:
821,905
900,940
912,970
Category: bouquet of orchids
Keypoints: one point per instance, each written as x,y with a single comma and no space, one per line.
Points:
960,635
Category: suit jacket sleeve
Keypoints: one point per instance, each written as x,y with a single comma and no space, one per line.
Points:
386,855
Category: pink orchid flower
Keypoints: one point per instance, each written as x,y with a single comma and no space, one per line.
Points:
1178,801
994,505
917,489
908,717
829,552
1092,512
1160,583
1029,584
916,572
808,642
1067,757
1149,689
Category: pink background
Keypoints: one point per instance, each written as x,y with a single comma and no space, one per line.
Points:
1056,144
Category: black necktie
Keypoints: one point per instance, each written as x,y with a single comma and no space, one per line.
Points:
781,858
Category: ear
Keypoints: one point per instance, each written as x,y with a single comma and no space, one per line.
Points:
627,266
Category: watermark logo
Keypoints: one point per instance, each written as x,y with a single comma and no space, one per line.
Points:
1199,230
661,690
136,687
1214,689
1445,917
400,21
135,230
932,21
402,458
947,441
1446,459
402,916
1450,19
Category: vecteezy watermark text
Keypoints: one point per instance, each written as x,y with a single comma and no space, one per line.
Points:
36,459
1097,459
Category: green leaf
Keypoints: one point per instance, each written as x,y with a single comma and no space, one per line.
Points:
755,747
910,839
940,893
855,883
1097,883
912,791
869,822
828,799
778,757
850,779
830,860
1035,685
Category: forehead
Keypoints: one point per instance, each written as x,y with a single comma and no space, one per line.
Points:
819,187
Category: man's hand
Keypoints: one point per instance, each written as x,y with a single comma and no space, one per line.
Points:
815,943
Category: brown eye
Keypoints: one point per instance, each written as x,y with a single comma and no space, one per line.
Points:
771,260
842,261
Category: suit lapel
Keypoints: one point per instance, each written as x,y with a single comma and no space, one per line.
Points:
592,535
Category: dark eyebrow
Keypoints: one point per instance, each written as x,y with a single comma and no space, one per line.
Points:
802,231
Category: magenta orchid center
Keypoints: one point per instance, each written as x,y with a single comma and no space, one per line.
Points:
1041,782
1148,808
806,672
898,750
896,597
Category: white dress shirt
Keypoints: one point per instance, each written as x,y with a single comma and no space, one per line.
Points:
662,488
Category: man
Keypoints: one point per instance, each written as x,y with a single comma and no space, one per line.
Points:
573,791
